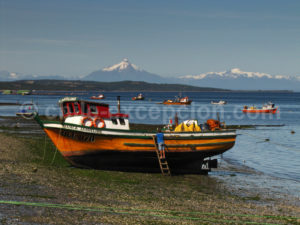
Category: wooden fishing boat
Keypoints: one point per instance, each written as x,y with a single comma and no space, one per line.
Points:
139,97
267,108
101,96
178,101
90,136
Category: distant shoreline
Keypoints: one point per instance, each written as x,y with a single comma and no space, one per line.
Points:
41,92
9,103
38,86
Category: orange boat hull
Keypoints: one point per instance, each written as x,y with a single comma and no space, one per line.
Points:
177,103
273,111
131,153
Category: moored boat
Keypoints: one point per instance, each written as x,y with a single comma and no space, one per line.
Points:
139,97
221,102
178,101
27,110
90,136
267,108
101,96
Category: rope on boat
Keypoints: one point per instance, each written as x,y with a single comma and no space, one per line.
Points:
44,155
268,140
56,150
53,157
148,212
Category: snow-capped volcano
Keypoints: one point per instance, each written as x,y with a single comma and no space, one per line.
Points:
234,73
124,71
124,65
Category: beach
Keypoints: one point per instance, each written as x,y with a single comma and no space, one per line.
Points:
149,112
39,187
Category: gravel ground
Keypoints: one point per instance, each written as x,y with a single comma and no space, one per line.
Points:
36,188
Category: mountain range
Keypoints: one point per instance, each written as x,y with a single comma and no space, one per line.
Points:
237,79
12,76
234,78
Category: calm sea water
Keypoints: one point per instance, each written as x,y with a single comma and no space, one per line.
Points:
274,151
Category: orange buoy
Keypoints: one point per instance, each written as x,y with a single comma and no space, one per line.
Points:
87,121
99,123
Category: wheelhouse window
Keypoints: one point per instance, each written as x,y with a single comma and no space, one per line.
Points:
76,108
114,121
122,121
71,109
85,108
93,109
65,109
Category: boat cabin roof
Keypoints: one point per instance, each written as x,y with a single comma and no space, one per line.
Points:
72,106
75,99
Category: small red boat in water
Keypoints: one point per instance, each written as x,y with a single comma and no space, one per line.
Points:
267,108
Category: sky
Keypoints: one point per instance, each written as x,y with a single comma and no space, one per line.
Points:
165,37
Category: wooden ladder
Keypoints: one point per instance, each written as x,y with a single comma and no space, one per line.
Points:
163,163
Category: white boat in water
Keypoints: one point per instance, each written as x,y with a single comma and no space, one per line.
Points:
221,102
101,96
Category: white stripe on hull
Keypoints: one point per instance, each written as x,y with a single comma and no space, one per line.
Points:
131,133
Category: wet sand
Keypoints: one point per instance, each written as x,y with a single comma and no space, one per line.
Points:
32,172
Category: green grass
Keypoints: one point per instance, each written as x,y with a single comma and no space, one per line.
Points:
8,128
253,198
44,152
33,196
